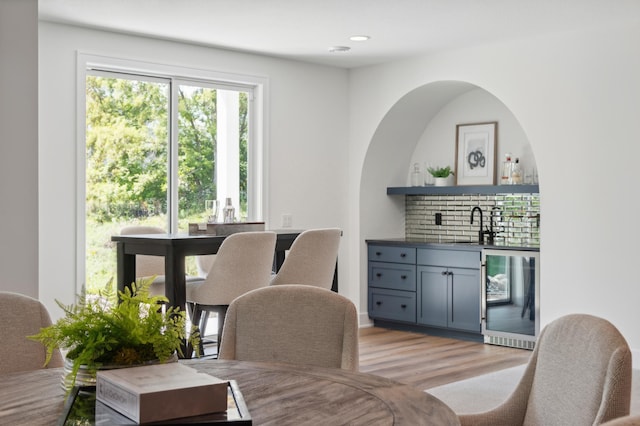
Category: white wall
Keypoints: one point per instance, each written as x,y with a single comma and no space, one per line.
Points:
576,97
436,146
307,131
19,146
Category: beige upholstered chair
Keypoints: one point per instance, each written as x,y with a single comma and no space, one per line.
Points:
203,264
243,263
311,259
23,316
297,324
148,266
624,421
578,374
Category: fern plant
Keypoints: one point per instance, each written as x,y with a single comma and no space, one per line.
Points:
136,330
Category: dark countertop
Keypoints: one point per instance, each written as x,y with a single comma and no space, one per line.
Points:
448,244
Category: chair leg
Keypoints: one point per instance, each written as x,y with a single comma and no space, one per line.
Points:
222,312
190,308
202,324
196,316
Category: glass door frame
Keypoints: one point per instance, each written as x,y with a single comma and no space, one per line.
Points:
257,132
483,296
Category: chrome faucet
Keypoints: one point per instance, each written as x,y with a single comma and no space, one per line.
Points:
481,232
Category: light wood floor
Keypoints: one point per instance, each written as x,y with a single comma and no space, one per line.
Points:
421,360
427,361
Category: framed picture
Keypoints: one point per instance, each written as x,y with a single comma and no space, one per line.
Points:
476,153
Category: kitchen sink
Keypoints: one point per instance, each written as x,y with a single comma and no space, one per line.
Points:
459,242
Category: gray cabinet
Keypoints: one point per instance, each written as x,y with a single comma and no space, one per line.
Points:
392,283
448,289
424,286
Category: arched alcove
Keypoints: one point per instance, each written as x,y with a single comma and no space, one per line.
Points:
392,151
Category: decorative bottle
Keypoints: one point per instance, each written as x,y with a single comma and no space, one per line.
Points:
229,212
416,176
516,173
507,168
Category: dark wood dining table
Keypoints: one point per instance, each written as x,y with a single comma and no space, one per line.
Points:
275,394
175,248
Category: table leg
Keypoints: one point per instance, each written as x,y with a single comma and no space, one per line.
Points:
278,260
334,283
175,287
126,269
175,282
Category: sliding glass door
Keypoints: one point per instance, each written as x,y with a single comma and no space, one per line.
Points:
157,148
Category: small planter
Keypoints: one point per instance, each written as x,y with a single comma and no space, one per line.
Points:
444,181
87,376
442,176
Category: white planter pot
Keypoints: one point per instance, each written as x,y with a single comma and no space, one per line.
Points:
440,181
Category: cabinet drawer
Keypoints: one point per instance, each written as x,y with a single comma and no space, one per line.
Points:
454,258
392,304
392,275
392,254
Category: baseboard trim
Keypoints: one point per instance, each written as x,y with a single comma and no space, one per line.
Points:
364,320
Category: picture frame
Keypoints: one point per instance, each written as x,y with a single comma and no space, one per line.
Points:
476,153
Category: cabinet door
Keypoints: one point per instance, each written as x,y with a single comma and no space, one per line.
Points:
432,296
464,308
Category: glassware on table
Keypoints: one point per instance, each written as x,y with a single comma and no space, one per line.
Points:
211,207
229,212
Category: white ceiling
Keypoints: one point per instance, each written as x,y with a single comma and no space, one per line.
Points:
305,29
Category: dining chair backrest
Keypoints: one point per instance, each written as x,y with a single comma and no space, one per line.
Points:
579,373
291,323
311,259
243,263
630,420
146,266
23,316
204,263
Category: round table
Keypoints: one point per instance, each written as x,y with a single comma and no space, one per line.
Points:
285,394
275,394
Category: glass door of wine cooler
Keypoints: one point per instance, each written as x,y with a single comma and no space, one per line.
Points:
510,297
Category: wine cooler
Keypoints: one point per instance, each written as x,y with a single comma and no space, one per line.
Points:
510,297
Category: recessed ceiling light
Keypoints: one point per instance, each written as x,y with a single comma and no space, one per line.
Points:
359,38
339,49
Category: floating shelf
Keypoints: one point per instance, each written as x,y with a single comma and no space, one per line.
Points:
459,190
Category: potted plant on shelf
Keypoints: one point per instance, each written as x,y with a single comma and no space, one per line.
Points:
442,175
99,334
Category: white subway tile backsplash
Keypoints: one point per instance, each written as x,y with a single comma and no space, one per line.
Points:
516,217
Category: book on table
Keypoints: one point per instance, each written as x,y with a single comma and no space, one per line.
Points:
161,392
